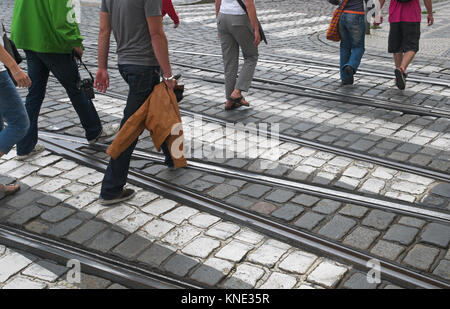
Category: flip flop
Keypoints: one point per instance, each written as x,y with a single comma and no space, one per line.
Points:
7,190
400,79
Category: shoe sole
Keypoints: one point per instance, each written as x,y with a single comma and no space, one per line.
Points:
112,202
401,83
32,154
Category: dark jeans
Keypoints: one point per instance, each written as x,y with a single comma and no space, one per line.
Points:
65,69
141,81
352,28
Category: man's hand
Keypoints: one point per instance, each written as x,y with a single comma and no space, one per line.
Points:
101,80
257,38
22,79
79,51
430,19
171,83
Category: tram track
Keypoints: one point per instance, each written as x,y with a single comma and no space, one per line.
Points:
415,169
392,271
105,266
343,196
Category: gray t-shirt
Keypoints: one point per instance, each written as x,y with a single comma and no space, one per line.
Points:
129,24
2,67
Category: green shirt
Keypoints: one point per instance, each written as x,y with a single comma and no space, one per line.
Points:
45,26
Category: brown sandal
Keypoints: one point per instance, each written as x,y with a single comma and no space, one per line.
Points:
7,190
233,103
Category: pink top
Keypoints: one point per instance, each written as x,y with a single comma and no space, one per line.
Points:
407,12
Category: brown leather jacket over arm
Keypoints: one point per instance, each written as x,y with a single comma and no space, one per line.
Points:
161,116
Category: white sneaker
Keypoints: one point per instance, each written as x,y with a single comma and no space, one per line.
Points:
107,131
37,149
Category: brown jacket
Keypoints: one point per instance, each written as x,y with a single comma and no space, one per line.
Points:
161,116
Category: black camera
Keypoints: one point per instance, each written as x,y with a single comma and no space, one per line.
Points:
87,85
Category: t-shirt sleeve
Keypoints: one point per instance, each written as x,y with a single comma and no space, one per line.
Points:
104,7
153,8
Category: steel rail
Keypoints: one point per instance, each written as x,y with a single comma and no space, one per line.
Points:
345,196
415,169
394,272
101,265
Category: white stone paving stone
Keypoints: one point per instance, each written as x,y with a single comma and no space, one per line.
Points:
45,270
327,274
234,251
279,281
298,262
11,263
384,173
203,220
24,283
201,247
223,230
158,228
244,277
83,199
355,172
181,235
267,255
408,187
159,207
249,236
116,214
180,214
134,221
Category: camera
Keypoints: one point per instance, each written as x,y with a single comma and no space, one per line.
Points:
87,85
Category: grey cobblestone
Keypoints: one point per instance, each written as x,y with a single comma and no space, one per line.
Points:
326,206
443,270
25,214
106,240
421,257
387,250
379,219
280,196
212,271
57,214
436,234
402,234
180,265
288,212
86,232
361,238
353,211
359,281
309,220
64,227
337,227
156,254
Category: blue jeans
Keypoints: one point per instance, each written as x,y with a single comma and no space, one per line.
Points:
65,69
141,81
352,28
13,112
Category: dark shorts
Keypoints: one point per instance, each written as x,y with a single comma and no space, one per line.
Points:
404,37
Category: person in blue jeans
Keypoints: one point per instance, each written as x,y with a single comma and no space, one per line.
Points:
143,53
50,39
352,29
12,110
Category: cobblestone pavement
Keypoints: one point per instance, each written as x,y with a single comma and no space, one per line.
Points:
19,270
58,197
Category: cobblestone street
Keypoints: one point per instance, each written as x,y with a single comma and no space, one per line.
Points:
344,177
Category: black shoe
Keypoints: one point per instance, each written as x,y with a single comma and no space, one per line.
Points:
124,196
349,71
400,79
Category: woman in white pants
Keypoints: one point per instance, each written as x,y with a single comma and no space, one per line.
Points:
237,30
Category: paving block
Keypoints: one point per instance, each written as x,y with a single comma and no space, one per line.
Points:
212,271
181,235
402,234
245,277
309,220
222,191
89,282
379,219
443,270
305,200
267,255
414,222
421,257
13,262
57,214
159,207
116,214
298,262
256,190
25,214
156,254
201,247
203,220
158,228
234,251
132,246
45,270
86,232
337,227
21,283
249,237
279,281
436,234
387,250
223,230
361,238
353,211
106,240
280,196
179,214
327,274
263,208
359,281
326,206
288,212
64,227
180,265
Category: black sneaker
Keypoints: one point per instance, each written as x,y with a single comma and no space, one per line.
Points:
400,79
124,196
349,71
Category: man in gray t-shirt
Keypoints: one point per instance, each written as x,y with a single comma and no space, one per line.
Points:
143,52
